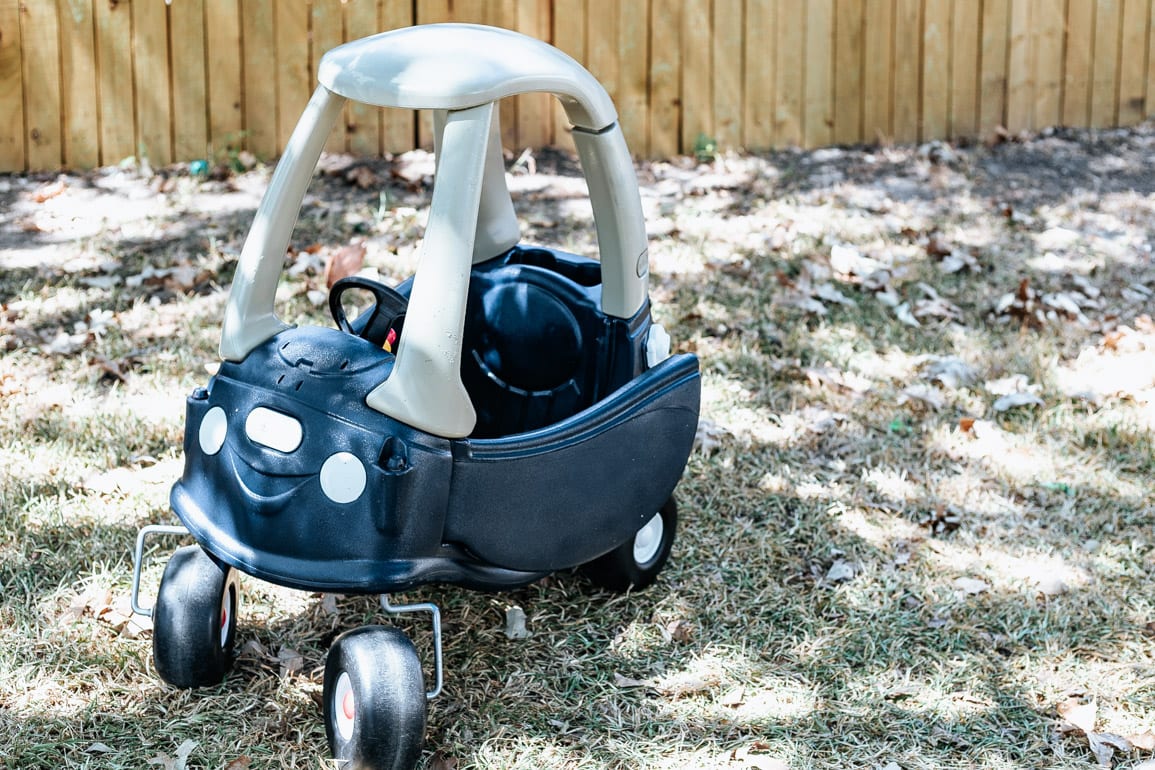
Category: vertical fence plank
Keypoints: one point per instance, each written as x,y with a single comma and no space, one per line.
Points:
993,81
223,51
726,51
1150,107
818,118
114,57
1020,73
151,79
1077,62
439,12
535,111
788,74
259,89
295,81
634,74
697,74
936,66
189,87
11,88
1133,62
907,70
964,69
78,58
503,13
758,75
602,44
40,35
398,127
937,63
1047,22
569,34
848,72
363,121
327,24
1105,81
878,55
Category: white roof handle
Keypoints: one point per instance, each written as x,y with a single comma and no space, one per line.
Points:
447,67
457,66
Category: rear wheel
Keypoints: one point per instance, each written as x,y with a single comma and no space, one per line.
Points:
374,700
195,619
636,563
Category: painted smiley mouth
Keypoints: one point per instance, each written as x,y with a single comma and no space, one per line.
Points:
266,488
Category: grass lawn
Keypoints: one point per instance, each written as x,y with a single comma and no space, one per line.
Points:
918,530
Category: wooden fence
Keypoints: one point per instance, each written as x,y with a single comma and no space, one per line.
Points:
90,82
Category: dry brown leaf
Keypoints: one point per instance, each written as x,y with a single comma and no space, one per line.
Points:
240,763
344,262
734,697
1015,400
363,177
1078,713
626,682
291,661
179,761
441,761
971,586
680,631
329,604
49,191
515,627
709,436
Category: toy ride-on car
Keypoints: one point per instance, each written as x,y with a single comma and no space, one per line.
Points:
507,412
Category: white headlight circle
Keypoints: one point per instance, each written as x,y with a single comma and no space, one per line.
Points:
343,478
214,428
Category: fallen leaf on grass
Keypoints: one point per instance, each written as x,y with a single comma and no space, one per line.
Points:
734,697
344,262
1015,400
627,683
100,748
827,292
709,436
49,191
903,313
923,394
329,604
949,371
840,571
515,627
240,763
971,586
1080,715
753,756
680,631
441,761
65,344
291,661
179,761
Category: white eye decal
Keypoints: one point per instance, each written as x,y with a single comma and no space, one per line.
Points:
343,478
214,428
275,430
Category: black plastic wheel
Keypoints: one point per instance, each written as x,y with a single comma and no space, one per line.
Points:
636,563
374,700
194,623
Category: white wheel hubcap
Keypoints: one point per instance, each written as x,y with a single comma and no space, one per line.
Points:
648,541
344,707
227,603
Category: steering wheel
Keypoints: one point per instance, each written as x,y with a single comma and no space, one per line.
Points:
385,315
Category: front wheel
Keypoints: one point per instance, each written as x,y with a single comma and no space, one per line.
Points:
636,563
374,700
194,623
